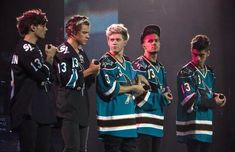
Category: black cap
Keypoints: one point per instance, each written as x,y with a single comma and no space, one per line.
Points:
150,29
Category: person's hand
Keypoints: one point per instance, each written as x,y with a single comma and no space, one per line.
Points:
168,95
220,99
139,89
142,80
94,67
50,51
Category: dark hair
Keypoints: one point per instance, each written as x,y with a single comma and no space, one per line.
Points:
30,17
200,42
150,29
74,23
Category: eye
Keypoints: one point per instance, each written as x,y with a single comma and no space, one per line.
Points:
202,55
43,26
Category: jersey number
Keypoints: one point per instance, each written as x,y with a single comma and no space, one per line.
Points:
36,64
187,87
151,74
62,67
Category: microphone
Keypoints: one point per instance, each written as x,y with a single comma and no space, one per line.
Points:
169,95
96,62
221,96
146,87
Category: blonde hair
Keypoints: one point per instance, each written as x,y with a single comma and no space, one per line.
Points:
118,29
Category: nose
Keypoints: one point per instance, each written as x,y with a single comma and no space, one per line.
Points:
87,36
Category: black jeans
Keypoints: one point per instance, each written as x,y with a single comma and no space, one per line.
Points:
75,136
147,143
34,137
197,146
117,144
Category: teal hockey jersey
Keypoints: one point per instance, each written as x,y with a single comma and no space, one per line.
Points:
150,111
194,119
115,111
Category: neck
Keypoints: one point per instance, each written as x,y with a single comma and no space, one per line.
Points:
151,57
199,66
74,44
117,55
31,38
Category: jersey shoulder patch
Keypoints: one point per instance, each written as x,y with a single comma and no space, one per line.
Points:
187,70
210,69
107,62
140,64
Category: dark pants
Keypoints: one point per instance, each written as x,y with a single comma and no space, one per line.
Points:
117,144
196,146
75,136
34,137
147,143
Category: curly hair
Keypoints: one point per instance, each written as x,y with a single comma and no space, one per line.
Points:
30,17
74,23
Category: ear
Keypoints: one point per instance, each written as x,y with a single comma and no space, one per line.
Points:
125,42
208,53
143,46
32,28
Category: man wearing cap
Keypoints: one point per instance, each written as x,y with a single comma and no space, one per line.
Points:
197,98
150,107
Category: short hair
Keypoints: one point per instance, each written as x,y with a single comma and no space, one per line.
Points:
74,24
30,17
200,42
118,29
149,29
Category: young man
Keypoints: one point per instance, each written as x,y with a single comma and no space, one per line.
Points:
31,108
116,84
197,98
150,108
74,75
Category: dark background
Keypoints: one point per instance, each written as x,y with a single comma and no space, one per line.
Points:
180,20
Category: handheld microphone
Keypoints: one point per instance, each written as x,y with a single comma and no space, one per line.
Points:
96,62
169,95
146,87
221,96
